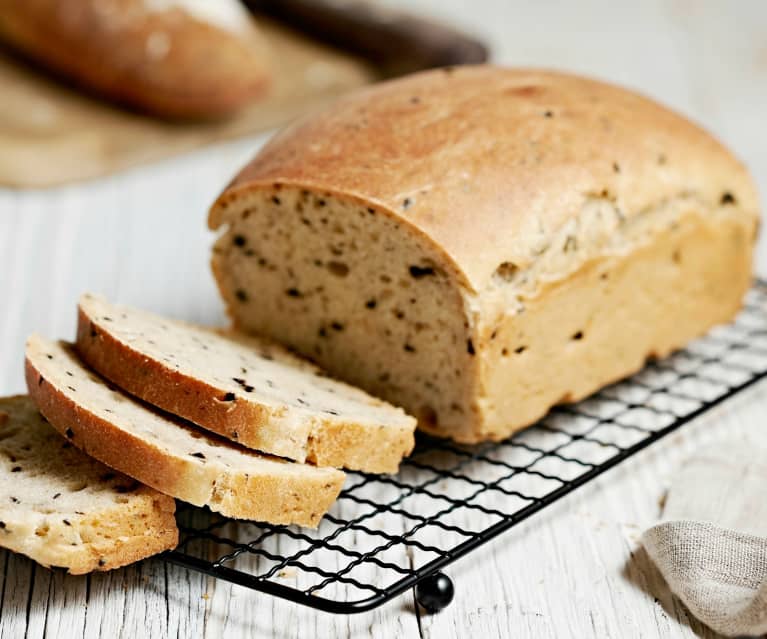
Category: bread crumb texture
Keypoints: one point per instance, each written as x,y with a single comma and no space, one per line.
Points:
64,509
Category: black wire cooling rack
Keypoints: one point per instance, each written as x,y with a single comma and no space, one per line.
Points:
386,534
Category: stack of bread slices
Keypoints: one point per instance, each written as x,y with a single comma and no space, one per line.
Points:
149,409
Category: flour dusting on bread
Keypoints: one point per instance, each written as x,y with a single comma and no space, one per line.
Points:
225,14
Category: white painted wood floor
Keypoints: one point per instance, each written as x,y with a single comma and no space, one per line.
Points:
576,569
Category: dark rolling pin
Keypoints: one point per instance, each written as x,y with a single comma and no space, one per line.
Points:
395,41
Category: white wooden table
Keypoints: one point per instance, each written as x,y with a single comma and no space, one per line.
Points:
575,570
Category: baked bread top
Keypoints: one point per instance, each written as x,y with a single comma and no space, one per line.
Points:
489,163
65,509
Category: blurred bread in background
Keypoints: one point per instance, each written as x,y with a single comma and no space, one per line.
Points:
186,59
207,68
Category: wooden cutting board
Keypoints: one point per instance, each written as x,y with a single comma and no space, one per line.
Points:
51,134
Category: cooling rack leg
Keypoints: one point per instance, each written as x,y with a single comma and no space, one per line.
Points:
434,592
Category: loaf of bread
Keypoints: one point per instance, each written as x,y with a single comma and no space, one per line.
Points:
479,244
246,389
168,454
62,508
174,58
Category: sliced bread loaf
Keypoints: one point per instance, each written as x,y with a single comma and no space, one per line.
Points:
62,508
492,242
168,454
253,392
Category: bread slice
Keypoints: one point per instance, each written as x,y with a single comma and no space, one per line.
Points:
253,392
167,454
62,508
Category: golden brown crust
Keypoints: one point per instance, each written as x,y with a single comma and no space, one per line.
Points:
148,379
101,440
280,498
330,443
453,153
167,62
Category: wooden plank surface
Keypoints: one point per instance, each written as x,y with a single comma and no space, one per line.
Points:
574,570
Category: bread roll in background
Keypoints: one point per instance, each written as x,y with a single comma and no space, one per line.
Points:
168,454
479,244
185,59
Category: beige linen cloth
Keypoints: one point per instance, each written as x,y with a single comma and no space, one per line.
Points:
711,543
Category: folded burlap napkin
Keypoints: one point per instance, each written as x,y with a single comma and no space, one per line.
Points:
711,543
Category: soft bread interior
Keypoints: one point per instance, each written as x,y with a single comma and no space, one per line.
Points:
346,284
62,508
